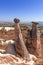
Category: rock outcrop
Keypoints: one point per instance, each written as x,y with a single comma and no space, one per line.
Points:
19,43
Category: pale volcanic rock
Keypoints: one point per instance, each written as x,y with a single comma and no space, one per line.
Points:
9,41
9,59
7,28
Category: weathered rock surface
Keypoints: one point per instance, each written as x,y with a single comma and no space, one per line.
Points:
9,59
19,43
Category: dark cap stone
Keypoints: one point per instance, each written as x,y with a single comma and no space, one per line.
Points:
16,20
35,22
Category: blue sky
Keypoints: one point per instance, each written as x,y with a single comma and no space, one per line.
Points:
25,10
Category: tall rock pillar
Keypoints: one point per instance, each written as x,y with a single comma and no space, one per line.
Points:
19,43
36,38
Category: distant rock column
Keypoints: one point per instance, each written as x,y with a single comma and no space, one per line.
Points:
36,38
19,43
34,34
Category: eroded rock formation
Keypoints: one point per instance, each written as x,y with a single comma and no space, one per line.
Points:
19,43
26,58
36,42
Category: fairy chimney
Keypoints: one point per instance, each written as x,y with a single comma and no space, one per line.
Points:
34,34
19,43
36,38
